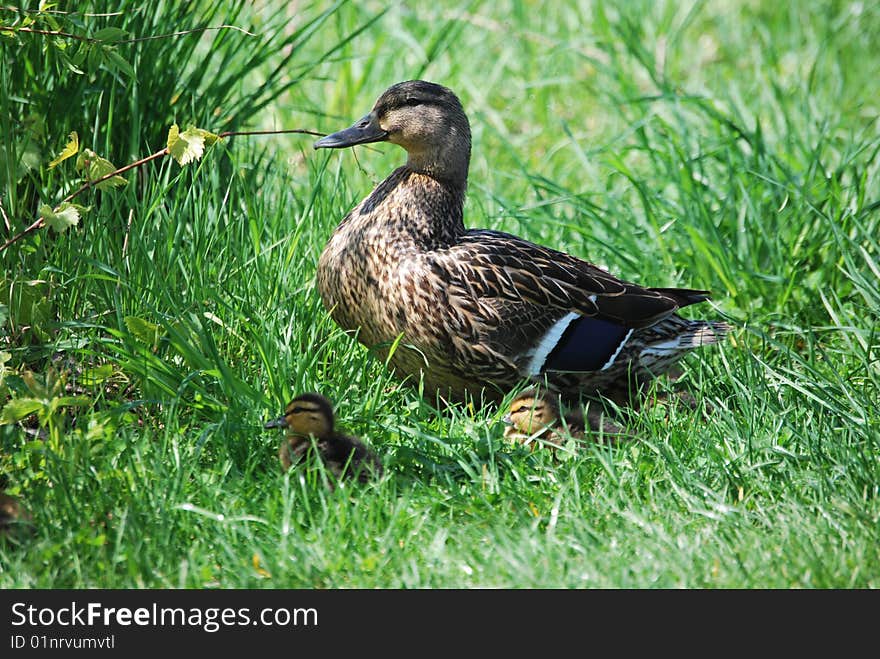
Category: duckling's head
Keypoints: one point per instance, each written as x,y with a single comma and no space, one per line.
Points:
308,414
532,411
424,118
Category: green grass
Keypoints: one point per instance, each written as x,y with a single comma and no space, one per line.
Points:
731,146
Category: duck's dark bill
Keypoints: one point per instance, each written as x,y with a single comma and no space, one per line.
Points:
364,131
280,422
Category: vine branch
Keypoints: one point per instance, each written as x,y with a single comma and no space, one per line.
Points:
79,37
40,222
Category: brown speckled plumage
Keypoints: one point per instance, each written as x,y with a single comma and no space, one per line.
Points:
474,307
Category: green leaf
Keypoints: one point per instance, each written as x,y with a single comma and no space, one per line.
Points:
19,408
116,61
94,57
209,137
95,167
97,541
143,329
62,218
70,401
189,145
110,34
29,303
93,376
173,135
78,55
72,66
71,149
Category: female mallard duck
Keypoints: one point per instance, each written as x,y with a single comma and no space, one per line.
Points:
311,416
536,415
479,309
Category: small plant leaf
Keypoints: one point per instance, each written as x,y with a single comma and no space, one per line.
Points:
70,401
94,57
70,149
96,375
209,137
115,60
143,330
95,167
110,34
189,145
61,218
173,135
19,408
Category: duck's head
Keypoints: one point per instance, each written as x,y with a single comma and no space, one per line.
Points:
424,118
308,414
532,410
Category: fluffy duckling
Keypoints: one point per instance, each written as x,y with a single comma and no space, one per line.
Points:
480,311
536,414
311,416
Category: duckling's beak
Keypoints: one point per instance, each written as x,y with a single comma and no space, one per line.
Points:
364,131
280,422
507,420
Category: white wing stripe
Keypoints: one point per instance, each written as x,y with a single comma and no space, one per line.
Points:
548,342
616,352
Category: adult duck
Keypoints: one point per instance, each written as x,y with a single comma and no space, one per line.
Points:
475,310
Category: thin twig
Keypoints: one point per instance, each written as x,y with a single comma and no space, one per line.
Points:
233,133
48,33
39,223
33,227
79,37
62,13
117,172
184,32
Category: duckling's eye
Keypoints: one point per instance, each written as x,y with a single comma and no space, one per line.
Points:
522,408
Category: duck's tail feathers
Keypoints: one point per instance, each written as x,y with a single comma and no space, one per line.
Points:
709,332
684,296
698,333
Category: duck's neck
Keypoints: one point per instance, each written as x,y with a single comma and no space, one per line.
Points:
416,208
447,161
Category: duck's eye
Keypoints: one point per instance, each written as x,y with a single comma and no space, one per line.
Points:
524,407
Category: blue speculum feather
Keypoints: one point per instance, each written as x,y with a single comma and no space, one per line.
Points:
586,345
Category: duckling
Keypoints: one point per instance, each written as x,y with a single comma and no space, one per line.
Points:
311,416
474,311
14,518
535,414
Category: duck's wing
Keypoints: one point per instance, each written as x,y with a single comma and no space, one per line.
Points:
500,265
532,309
